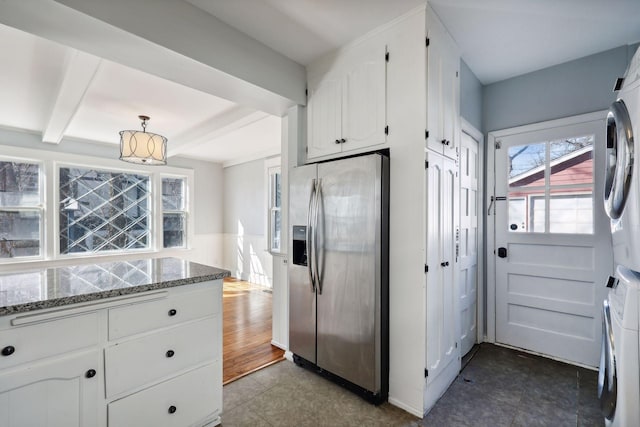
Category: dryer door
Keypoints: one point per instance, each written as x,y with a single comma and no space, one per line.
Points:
620,157
607,380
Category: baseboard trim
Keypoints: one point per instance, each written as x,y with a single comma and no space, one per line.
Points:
406,408
280,346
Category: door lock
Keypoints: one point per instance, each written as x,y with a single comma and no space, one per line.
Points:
502,252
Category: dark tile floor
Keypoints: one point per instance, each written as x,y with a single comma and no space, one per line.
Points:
498,387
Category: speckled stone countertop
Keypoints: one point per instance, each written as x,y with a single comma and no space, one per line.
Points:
58,286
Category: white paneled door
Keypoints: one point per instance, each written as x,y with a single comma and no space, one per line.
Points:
467,243
552,241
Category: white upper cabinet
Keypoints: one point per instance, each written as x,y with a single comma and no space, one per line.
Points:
443,92
347,101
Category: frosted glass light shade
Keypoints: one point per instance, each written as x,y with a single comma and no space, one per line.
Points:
143,148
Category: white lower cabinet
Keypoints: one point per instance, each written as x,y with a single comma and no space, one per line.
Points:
64,367
63,392
189,399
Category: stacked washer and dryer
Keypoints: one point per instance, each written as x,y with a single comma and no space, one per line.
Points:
619,376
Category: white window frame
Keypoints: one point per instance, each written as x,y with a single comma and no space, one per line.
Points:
40,208
272,166
50,161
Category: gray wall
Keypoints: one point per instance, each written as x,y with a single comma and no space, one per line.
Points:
575,87
470,96
244,198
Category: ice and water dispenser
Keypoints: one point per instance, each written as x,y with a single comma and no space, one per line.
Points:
300,245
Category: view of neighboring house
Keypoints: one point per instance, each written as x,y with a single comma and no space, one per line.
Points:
569,189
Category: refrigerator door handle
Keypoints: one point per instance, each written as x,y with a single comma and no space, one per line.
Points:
315,236
309,243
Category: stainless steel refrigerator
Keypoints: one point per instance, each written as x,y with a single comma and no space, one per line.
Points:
338,271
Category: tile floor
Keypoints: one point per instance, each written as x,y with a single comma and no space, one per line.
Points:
498,387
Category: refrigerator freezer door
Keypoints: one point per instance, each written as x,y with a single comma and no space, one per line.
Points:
302,297
349,248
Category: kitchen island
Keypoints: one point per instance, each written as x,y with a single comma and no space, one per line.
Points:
127,343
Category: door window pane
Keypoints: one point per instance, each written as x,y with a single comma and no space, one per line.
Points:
571,213
526,163
571,161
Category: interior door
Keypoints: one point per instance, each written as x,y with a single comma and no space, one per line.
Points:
442,309
349,244
552,240
467,245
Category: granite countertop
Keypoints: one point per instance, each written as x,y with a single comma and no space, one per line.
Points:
58,286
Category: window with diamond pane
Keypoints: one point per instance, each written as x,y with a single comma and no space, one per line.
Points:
103,211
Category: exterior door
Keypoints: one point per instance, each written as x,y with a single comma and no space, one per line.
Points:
349,248
442,352
467,245
552,239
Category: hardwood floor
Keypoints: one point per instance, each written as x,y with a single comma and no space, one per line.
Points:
246,327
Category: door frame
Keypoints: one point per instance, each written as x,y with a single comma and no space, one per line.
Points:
490,258
475,134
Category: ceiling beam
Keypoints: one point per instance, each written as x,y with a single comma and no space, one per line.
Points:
81,69
215,127
170,39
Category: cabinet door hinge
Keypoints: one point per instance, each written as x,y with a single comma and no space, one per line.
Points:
426,164
498,144
426,134
386,56
426,373
306,149
426,268
306,92
386,130
427,42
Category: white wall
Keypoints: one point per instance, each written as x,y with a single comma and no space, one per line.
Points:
244,223
206,244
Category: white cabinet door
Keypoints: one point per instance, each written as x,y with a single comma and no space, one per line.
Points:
60,393
365,99
347,105
443,88
324,112
442,352
450,108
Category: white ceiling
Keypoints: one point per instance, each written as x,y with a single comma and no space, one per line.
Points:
58,91
498,38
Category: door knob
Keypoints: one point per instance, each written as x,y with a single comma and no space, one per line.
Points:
337,141
8,350
502,252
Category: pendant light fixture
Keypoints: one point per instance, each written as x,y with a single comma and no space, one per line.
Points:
143,148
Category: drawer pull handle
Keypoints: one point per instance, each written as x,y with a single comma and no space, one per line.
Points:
172,409
8,350
90,373
170,353
172,312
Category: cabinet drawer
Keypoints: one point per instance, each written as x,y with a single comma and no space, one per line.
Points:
37,341
190,399
178,307
152,357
